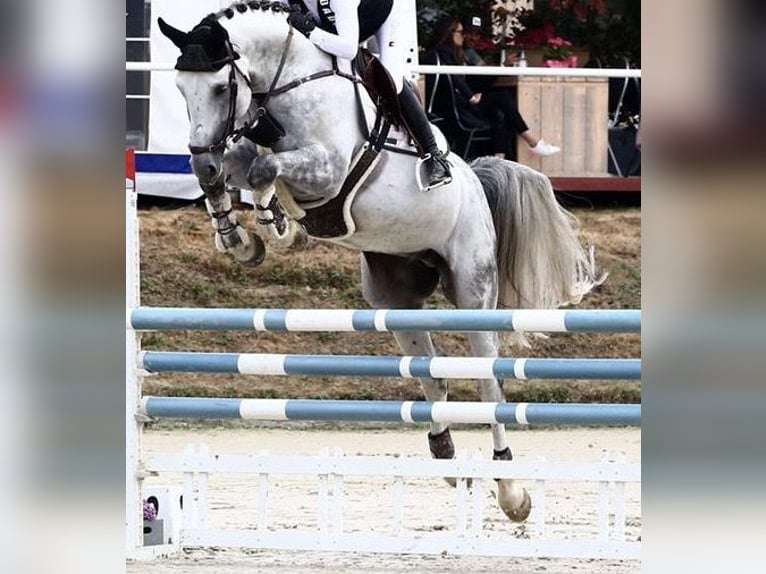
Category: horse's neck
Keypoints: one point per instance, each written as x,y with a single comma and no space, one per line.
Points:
261,37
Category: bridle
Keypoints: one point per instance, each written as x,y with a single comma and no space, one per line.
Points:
230,117
257,109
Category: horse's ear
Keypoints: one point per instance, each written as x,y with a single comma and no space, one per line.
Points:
176,36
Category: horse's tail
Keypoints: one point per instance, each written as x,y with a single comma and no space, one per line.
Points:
541,262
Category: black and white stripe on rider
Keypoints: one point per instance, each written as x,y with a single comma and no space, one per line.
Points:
326,16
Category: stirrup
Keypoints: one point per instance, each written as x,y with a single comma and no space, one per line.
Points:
419,179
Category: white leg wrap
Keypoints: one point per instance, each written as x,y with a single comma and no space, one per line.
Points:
266,196
242,248
224,204
240,245
293,235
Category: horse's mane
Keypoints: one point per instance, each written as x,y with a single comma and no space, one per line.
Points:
242,7
254,6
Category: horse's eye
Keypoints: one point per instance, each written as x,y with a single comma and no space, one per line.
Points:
221,89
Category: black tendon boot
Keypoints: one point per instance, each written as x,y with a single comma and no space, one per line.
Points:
437,168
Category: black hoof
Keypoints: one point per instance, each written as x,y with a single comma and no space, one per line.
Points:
441,445
502,454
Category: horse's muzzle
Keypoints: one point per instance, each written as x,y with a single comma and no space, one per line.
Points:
207,167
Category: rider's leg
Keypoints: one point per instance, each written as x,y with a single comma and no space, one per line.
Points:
437,168
436,164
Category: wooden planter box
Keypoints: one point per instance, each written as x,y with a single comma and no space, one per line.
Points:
571,113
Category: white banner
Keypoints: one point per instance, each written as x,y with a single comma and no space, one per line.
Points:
168,123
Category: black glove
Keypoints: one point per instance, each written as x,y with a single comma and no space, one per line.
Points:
304,23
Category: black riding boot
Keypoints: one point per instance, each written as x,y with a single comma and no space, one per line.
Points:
437,168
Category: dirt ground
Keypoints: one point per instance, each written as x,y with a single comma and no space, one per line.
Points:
429,503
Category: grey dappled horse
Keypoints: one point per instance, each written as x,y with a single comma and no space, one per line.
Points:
494,236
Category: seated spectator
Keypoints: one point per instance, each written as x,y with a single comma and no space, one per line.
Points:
478,103
443,53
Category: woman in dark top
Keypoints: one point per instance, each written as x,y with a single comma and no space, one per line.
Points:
446,49
477,103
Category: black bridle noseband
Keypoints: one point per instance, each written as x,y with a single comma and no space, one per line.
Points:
257,110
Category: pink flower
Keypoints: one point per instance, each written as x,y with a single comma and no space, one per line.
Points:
558,42
150,511
557,49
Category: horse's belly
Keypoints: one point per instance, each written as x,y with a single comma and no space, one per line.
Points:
402,223
403,244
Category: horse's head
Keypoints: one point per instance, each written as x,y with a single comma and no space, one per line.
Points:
215,88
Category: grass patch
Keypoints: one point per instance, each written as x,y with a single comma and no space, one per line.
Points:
315,278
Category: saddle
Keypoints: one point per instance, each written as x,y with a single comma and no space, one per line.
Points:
379,85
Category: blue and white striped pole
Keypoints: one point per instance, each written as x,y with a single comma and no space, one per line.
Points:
462,320
389,366
393,411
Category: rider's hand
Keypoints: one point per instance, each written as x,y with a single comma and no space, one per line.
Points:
304,23
476,98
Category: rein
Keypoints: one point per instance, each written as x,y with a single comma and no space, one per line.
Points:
254,115
258,101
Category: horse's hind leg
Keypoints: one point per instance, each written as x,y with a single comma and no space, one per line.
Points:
473,285
420,344
512,498
390,282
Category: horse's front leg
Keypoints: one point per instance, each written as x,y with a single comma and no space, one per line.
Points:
311,172
279,221
230,236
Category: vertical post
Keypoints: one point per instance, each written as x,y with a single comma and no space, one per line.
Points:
338,488
619,502
398,492
204,455
134,530
477,516
461,502
189,515
323,511
407,26
539,508
263,497
603,508
191,492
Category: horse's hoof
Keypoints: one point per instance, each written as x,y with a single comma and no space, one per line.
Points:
300,239
441,445
513,500
254,254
